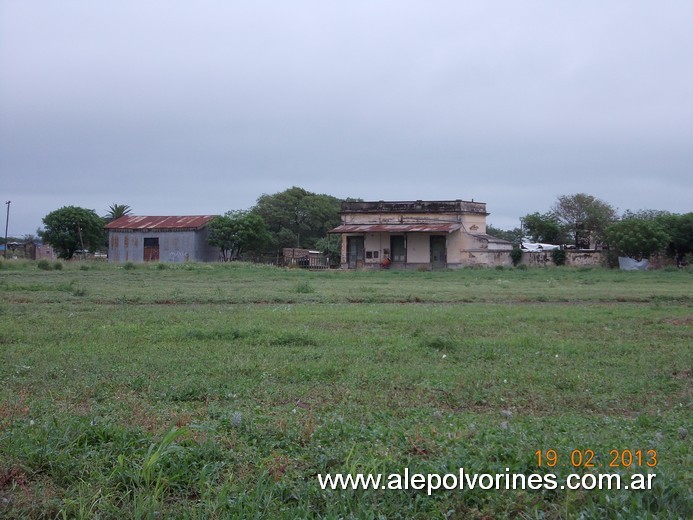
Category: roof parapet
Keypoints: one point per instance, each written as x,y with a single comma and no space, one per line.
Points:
418,206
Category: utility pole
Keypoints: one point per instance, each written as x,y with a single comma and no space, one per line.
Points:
81,240
7,224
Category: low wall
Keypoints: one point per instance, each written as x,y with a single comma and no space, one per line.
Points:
572,258
484,258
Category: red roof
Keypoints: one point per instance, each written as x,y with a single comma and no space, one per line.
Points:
396,228
133,223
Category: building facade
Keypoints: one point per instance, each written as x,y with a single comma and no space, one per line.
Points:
160,239
418,234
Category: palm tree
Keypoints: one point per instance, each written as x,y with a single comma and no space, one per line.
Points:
116,211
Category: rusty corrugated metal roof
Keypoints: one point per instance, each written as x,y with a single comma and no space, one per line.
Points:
396,228
134,223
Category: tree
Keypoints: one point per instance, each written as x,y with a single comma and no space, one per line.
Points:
512,235
330,246
645,214
636,238
680,230
544,228
298,218
585,217
237,232
115,211
71,228
516,255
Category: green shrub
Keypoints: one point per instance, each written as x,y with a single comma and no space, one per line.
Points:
304,287
84,267
58,266
44,265
612,258
558,256
521,267
128,266
516,256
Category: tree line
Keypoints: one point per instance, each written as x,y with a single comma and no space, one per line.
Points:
292,218
301,219
586,222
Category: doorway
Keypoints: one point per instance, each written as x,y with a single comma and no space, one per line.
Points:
151,249
438,252
398,249
355,252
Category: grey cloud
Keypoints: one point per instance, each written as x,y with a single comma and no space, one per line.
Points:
210,104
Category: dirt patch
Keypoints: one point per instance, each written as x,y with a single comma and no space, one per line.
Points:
13,476
680,321
682,374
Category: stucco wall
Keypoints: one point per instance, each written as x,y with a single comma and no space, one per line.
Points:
375,242
572,258
484,258
418,249
474,223
456,247
396,218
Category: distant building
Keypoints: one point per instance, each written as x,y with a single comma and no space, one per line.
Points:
22,250
418,234
44,252
160,239
305,258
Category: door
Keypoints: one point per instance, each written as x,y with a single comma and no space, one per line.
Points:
438,252
398,249
151,249
355,252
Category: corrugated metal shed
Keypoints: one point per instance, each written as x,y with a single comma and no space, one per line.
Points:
180,223
396,228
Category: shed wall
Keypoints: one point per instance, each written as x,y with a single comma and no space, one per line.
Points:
174,246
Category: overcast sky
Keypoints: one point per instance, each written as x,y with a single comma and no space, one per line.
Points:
200,107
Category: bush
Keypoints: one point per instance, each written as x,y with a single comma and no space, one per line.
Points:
612,259
128,266
558,256
58,266
304,287
516,256
44,265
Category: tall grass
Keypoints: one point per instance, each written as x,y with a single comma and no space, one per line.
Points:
221,392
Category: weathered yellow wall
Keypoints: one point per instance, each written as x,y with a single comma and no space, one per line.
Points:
418,249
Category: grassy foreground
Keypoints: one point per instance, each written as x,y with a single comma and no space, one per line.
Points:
223,391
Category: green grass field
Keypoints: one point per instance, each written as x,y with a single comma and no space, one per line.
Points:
223,391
